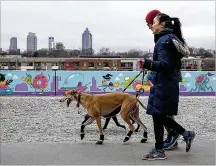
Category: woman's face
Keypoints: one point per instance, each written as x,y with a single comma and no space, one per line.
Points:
156,26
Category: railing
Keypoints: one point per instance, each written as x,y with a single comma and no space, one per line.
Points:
120,69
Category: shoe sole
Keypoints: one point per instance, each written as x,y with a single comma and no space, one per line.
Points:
171,148
168,148
152,159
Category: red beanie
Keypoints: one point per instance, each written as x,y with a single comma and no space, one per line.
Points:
151,15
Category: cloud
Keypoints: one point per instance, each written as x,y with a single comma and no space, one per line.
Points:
15,77
187,75
127,78
117,79
120,75
71,76
9,75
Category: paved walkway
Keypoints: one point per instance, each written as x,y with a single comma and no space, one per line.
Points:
87,153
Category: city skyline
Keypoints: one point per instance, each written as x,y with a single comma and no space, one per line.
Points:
119,26
86,42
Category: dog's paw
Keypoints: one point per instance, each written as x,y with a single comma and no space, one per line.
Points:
82,135
99,142
126,139
143,140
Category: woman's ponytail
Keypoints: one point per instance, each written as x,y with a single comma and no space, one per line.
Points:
173,23
177,28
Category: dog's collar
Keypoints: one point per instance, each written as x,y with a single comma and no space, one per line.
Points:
78,100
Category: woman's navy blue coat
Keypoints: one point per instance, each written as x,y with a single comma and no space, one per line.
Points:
164,95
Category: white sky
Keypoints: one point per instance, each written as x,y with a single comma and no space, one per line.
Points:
118,25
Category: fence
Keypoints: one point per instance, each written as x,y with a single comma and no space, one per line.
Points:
51,83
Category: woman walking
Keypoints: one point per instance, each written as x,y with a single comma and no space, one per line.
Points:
170,142
164,95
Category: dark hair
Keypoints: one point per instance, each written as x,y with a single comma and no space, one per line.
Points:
176,25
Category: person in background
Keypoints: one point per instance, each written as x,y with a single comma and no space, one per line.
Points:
164,94
170,142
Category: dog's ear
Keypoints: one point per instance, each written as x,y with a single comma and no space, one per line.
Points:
76,91
73,92
69,92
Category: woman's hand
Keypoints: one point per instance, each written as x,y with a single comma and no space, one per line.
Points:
141,63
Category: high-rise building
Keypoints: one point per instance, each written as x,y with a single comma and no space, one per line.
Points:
87,42
51,43
31,43
13,43
13,47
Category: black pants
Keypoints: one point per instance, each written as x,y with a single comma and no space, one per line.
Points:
169,130
159,122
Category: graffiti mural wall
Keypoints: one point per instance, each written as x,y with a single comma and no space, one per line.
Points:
26,82
199,83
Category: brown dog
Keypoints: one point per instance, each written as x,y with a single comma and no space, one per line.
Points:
108,105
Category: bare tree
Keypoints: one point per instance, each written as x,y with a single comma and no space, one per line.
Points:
58,54
122,54
192,51
74,53
43,52
208,64
204,53
104,51
136,53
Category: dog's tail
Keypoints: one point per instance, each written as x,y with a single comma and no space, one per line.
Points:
141,104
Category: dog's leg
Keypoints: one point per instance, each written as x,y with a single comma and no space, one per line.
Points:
137,129
87,122
126,118
86,118
145,134
131,127
117,123
135,117
132,120
101,139
138,126
106,123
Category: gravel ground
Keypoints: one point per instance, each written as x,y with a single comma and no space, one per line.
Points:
45,119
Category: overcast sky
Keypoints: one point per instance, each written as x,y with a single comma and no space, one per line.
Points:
118,25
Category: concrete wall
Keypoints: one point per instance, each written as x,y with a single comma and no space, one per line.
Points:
198,83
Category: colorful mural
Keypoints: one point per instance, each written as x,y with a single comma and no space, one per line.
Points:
200,83
4,85
27,82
